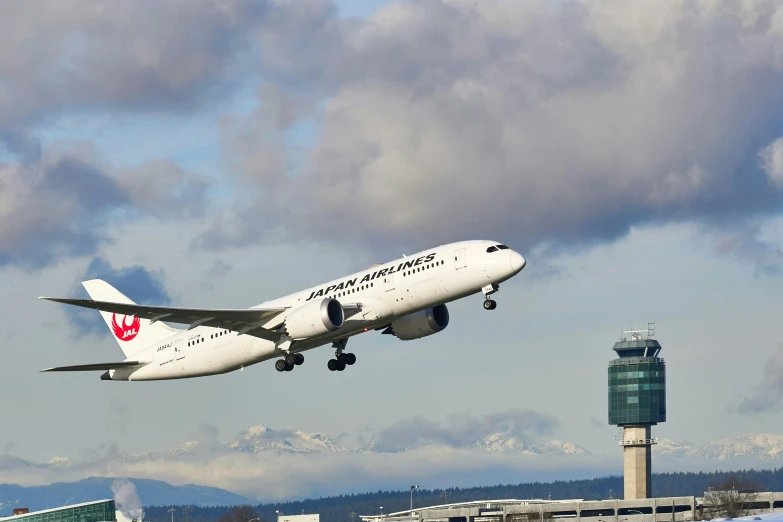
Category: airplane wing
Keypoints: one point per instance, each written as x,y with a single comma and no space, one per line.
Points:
243,320
95,367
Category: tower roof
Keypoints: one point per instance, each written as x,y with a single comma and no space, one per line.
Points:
637,348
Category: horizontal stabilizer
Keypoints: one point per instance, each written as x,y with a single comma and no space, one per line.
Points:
95,367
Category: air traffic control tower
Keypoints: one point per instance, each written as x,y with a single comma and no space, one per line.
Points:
637,401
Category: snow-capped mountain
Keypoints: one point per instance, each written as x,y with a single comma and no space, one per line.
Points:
287,440
505,441
761,447
262,439
184,450
256,439
509,442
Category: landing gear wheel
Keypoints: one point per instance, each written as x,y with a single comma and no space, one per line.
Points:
280,365
299,359
332,365
290,359
488,290
350,359
289,367
340,366
341,358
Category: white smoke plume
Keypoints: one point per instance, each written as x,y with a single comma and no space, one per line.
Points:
127,501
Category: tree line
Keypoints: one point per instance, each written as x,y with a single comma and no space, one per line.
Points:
339,508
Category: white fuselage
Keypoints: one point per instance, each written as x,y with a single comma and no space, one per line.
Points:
385,292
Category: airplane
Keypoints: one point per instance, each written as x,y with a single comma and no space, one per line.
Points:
405,298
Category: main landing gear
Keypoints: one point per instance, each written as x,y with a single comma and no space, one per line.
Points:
288,362
488,290
341,360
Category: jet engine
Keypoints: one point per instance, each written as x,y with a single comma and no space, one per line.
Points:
420,324
315,318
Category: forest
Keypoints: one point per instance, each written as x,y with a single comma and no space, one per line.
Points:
344,508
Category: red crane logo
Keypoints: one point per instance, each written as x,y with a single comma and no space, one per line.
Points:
123,330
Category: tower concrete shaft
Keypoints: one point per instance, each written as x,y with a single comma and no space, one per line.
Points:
637,461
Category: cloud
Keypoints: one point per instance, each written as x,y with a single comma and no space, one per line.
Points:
66,203
464,430
757,241
769,394
771,161
54,208
272,476
140,284
88,57
560,122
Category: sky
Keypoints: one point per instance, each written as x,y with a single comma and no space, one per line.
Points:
211,153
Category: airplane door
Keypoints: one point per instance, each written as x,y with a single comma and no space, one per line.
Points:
459,259
179,352
389,282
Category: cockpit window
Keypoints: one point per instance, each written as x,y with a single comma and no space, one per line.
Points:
492,249
502,247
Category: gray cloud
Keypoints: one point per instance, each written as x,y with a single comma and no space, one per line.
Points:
53,208
464,430
747,242
558,122
768,396
171,57
65,203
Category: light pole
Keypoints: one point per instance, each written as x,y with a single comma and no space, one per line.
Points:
172,510
412,488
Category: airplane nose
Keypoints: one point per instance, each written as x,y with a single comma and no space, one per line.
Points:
517,262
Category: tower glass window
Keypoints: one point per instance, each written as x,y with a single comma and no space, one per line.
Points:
637,391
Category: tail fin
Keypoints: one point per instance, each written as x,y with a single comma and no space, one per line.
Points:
132,333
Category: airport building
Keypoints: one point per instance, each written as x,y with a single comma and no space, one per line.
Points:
664,509
96,511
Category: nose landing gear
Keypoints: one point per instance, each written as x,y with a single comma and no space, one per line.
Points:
488,290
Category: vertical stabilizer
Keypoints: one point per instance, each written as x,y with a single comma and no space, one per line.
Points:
132,333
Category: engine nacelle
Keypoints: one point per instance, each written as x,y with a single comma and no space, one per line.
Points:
421,324
315,318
